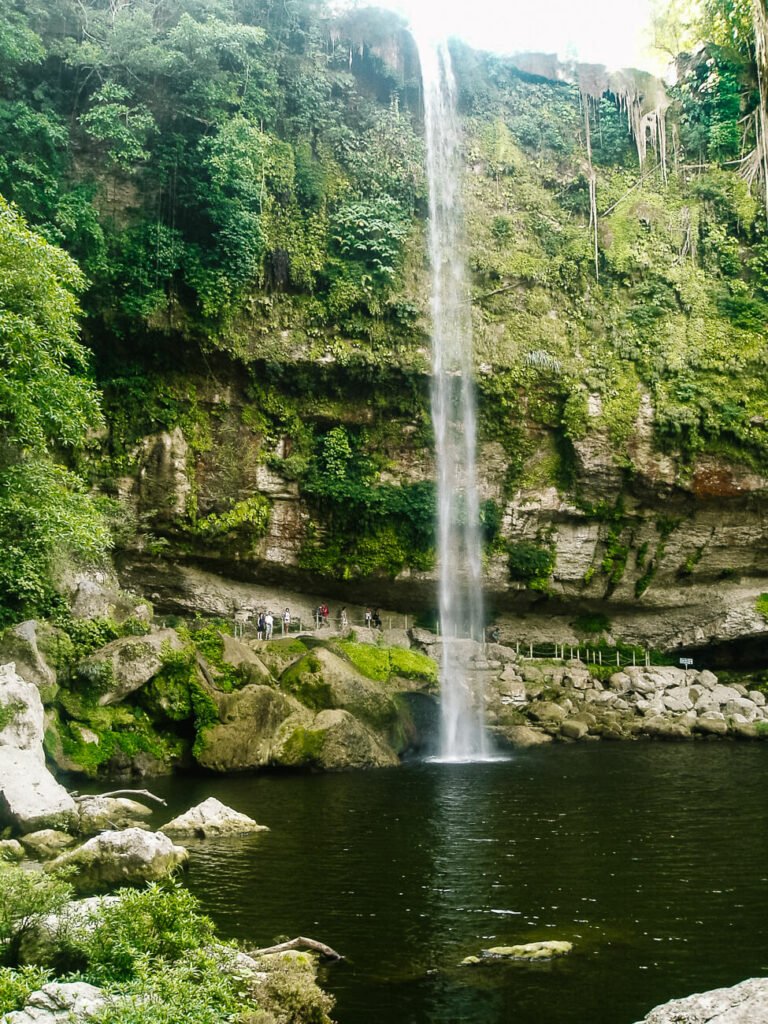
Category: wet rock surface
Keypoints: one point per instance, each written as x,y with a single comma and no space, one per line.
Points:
746,1003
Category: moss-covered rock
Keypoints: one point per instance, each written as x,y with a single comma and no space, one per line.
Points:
127,664
335,741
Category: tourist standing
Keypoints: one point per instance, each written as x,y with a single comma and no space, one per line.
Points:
286,621
269,622
260,626
368,615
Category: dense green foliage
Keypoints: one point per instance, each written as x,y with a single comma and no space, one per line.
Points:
157,959
242,184
47,403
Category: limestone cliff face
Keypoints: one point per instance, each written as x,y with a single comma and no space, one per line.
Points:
671,558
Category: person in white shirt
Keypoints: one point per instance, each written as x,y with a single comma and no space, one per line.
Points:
269,622
286,621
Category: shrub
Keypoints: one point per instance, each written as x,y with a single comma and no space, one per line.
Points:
17,985
531,564
26,897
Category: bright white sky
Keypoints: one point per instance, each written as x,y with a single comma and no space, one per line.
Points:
596,31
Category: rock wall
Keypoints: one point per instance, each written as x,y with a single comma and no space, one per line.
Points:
672,558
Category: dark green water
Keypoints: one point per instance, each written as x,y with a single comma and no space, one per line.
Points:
651,858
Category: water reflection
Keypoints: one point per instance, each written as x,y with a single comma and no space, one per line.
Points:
649,858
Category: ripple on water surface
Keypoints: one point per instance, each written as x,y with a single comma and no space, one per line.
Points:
650,858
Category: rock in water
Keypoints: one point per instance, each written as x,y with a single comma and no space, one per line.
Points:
58,1002
129,857
531,950
212,818
746,1003
30,797
105,813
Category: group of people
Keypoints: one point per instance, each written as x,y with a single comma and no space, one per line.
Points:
265,624
322,614
372,618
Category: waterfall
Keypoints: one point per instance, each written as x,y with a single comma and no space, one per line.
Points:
459,549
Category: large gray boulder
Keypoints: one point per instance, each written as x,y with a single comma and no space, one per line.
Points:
125,665
129,857
212,818
30,797
746,1003
103,813
59,1003
27,646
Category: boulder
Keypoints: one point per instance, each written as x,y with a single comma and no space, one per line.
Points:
102,813
212,818
255,722
620,681
30,797
573,729
59,1003
240,656
22,644
746,1003
11,850
336,740
707,679
677,699
95,599
741,706
711,724
127,664
522,736
722,694
757,697
322,680
546,711
47,843
531,950
129,857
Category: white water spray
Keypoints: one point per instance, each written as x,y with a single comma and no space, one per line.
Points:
463,736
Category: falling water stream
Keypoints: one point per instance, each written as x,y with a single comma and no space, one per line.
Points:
463,735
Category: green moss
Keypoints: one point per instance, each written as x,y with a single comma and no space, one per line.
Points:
304,681
381,663
304,747
9,711
123,729
761,605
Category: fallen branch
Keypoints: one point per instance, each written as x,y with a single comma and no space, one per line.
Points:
124,792
300,943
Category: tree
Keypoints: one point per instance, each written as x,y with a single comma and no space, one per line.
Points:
47,404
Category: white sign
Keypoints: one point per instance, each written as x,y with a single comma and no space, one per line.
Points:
687,662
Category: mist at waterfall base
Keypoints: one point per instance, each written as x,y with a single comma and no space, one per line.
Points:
649,857
459,547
